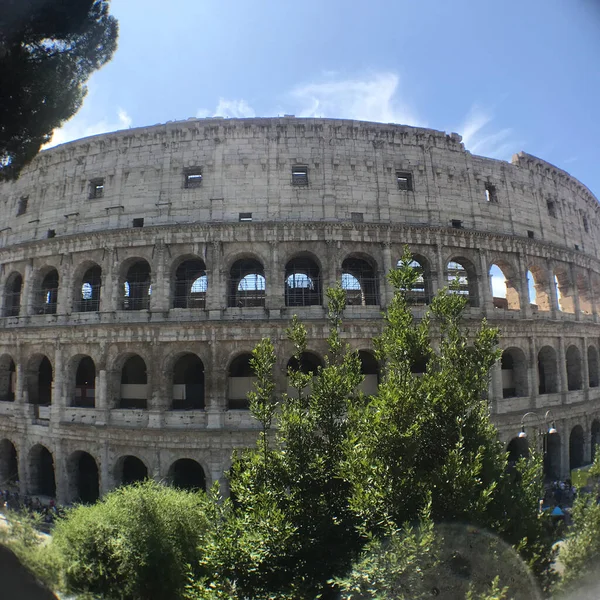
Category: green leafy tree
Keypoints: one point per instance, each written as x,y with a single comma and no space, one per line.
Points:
135,544
48,50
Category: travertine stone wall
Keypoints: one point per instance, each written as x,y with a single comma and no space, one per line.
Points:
539,220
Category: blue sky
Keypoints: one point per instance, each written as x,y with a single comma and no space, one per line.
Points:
508,75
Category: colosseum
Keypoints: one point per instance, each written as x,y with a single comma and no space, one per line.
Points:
139,269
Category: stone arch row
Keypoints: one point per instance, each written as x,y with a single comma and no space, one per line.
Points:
515,370
247,283
581,452
82,474
129,384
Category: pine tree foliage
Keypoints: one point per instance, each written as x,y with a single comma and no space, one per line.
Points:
48,50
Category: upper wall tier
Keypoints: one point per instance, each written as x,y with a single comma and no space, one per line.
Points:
354,171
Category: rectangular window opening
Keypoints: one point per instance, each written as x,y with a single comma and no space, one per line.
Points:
245,217
299,175
96,188
22,207
576,246
491,194
192,178
51,233
530,234
138,222
586,225
551,208
356,217
404,180
457,223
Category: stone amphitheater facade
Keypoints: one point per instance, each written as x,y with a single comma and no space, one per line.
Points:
139,269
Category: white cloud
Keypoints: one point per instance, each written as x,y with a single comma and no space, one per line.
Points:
235,109
480,138
373,98
79,126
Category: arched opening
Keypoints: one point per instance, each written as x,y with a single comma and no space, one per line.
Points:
576,448
420,293
369,368
239,382
84,485
85,383
187,474
564,291
137,286
547,371
574,379
12,295
41,472
360,281
246,286
88,292
461,276
514,373
9,465
8,379
309,364
188,383
504,293
130,469
46,295
552,456
593,373
302,282
539,289
191,284
134,383
40,378
517,448
595,437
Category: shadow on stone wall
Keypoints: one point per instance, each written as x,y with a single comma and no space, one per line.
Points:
17,582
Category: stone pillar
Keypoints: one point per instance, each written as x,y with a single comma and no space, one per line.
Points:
574,287
27,291
442,279
585,375
562,367
331,268
564,450
554,309
107,302
106,479
216,295
21,383
58,392
534,381
161,288
587,443
275,292
485,285
592,295
23,462
61,475
496,386
101,390
64,300
387,290
524,284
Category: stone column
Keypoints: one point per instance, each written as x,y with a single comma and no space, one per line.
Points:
485,287
60,475
101,399
106,479
27,291
23,468
64,300
524,284
331,268
216,295
592,295
387,291
275,292
442,279
554,309
587,443
496,386
585,375
161,288
58,388
562,367
107,302
574,287
534,382
564,450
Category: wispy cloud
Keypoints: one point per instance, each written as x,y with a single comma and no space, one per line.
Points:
480,136
373,98
79,127
237,109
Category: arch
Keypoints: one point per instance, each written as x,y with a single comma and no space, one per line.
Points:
593,367
552,460
360,281
517,448
46,294
547,370
188,383
8,378
134,383
246,286
12,294
513,365
502,284
83,479
240,378
564,290
9,464
190,284
369,368
137,286
42,481
39,380
461,270
187,474
309,363
130,469
576,448
87,290
85,383
539,289
421,291
594,437
302,282
574,375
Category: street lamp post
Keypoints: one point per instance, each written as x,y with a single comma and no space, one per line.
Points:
549,428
